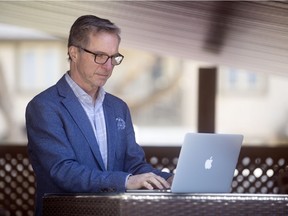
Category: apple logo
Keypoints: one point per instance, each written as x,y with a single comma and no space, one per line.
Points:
208,163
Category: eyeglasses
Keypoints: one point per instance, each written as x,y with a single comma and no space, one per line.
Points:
101,58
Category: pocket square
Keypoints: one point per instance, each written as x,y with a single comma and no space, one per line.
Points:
120,123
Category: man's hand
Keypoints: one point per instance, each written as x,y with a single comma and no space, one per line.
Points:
148,181
170,179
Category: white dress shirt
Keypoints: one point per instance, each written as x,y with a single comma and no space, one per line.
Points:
95,114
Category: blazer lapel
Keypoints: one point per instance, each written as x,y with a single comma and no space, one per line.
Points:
110,120
77,112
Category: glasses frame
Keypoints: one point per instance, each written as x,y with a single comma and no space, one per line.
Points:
96,54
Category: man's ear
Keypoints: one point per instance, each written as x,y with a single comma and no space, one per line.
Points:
73,52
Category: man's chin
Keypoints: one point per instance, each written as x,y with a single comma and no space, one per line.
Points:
101,83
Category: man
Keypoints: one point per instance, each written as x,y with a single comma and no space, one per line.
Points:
80,138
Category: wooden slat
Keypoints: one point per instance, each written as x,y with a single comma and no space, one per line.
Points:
251,35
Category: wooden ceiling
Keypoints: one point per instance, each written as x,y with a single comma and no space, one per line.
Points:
252,35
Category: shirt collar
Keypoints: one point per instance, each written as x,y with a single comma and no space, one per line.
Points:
81,94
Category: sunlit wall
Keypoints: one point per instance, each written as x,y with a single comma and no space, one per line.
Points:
161,92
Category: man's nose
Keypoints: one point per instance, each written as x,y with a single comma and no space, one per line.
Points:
108,65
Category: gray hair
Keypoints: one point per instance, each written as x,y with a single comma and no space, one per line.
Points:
84,25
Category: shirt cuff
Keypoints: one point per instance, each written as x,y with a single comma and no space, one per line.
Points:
127,177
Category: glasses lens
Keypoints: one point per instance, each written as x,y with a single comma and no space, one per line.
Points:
101,58
116,60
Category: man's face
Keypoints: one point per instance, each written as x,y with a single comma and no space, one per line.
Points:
84,71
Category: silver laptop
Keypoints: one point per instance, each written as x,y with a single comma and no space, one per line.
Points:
206,164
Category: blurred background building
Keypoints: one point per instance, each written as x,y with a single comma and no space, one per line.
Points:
166,45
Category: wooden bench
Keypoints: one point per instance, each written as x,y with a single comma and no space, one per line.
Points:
164,204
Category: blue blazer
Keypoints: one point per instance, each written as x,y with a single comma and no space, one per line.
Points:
63,149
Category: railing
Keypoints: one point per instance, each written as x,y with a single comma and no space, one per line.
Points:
259,170
17,186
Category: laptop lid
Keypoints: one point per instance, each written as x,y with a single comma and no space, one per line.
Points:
206,163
